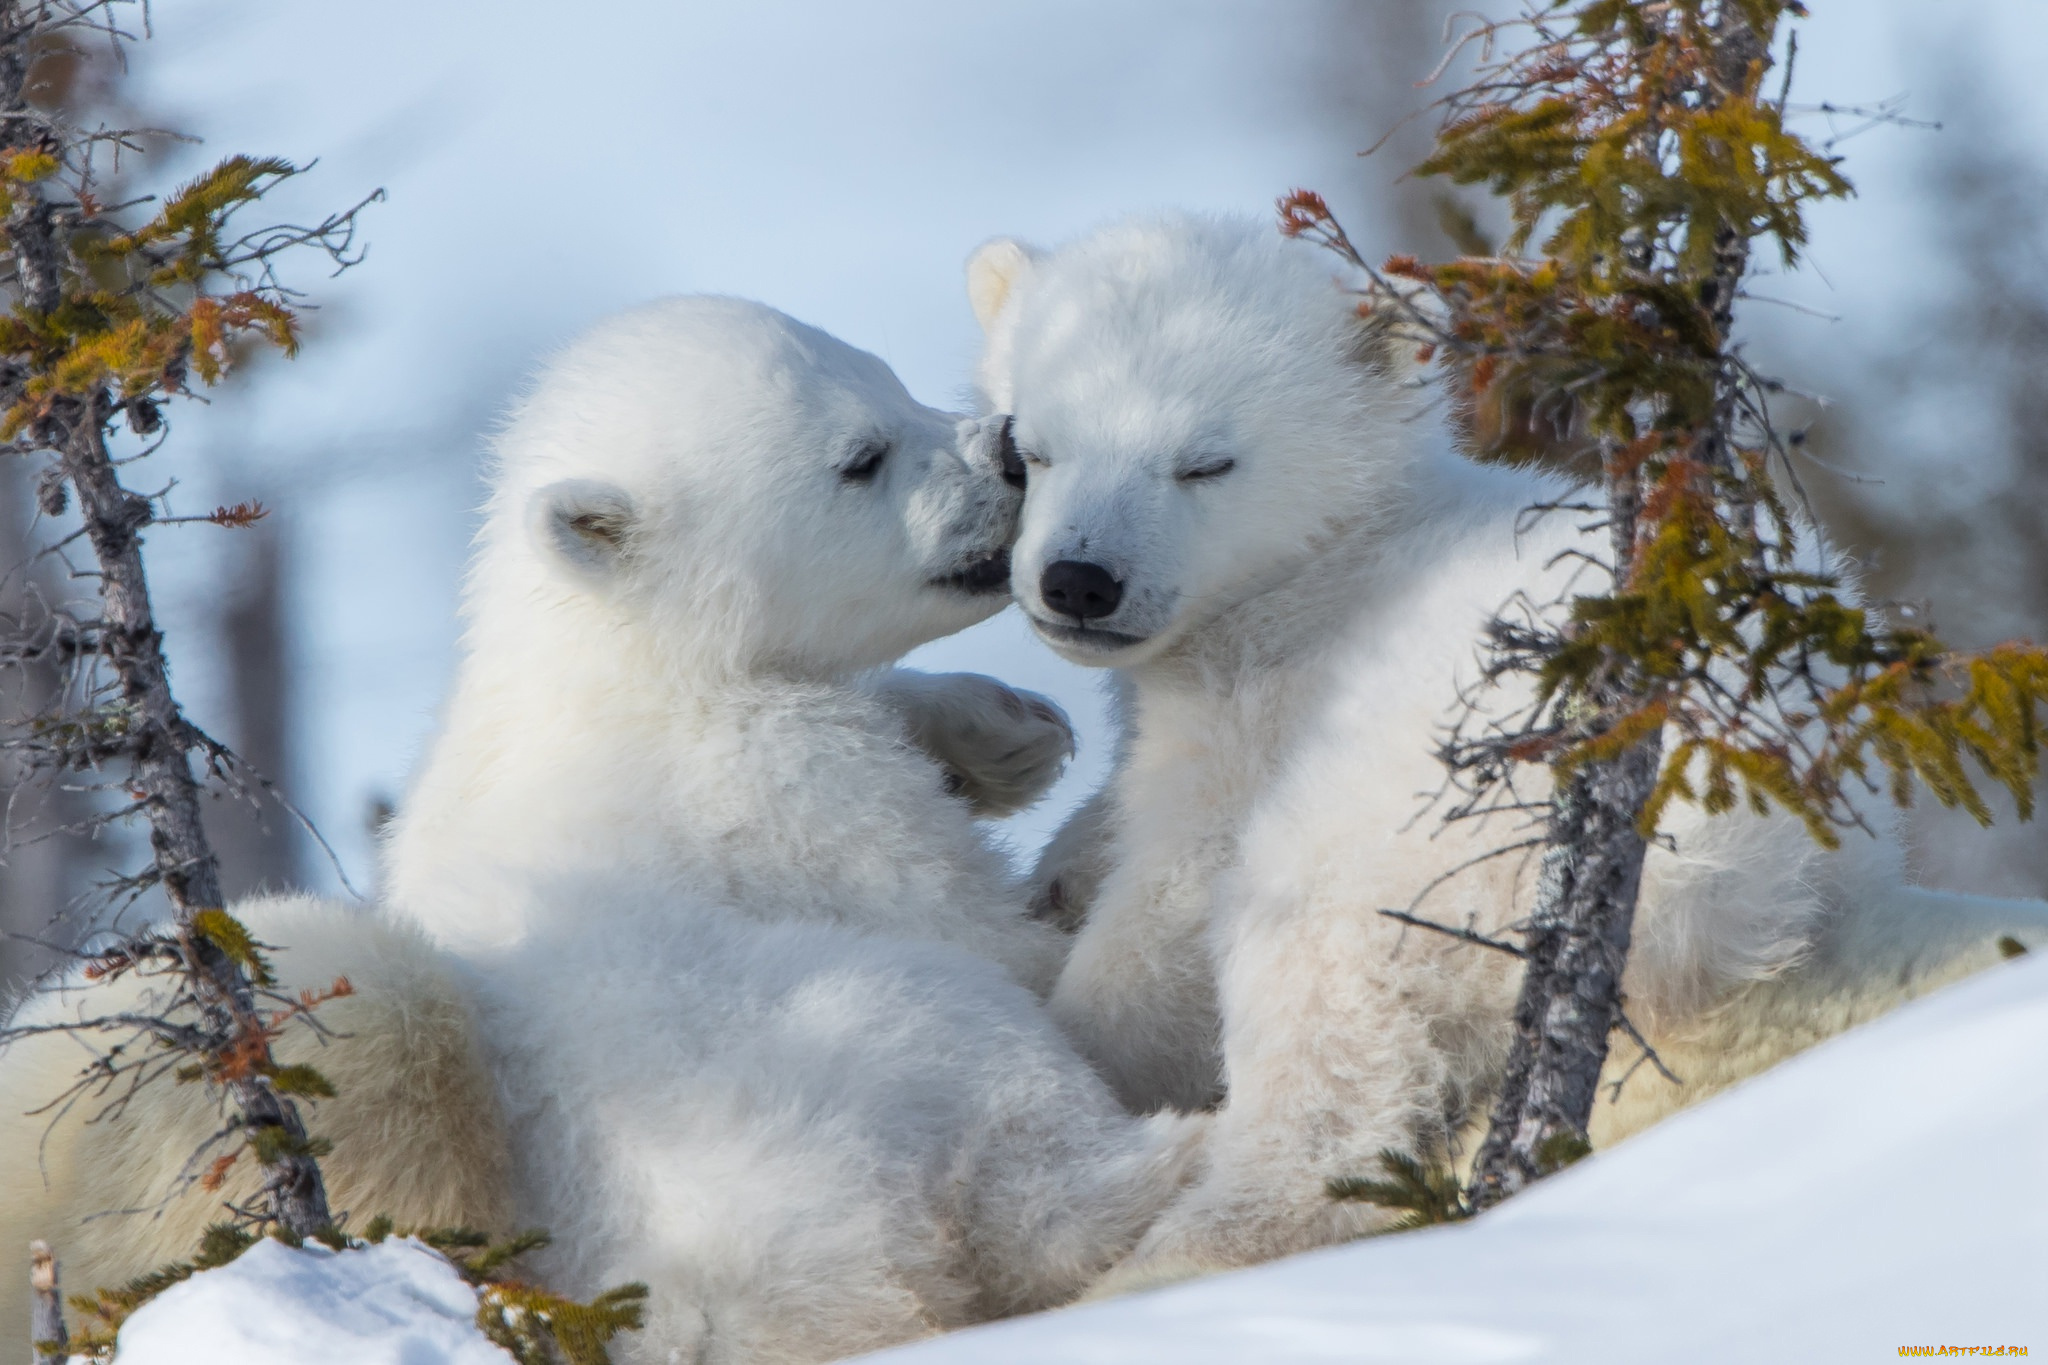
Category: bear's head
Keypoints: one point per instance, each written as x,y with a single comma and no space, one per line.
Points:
747,491
1200,408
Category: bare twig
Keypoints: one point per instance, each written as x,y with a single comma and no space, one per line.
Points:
1452,931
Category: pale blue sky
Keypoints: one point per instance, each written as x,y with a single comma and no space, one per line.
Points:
546,165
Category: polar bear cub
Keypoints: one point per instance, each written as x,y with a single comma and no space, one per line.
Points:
417,1130
1236,504
693,954
757,993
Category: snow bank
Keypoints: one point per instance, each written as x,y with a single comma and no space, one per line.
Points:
1877,1192
1880,1191
397,1303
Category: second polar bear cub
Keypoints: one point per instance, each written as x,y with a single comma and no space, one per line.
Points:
1234,501
754,988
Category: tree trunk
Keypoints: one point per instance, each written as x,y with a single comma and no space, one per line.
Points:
161,744
46,1314
157,737
1577,947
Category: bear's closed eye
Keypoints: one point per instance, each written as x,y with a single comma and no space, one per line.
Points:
866,463
1214,469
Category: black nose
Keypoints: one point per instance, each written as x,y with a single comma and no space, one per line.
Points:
1075,588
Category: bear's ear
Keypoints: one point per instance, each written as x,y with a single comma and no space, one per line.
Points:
993,274
583,523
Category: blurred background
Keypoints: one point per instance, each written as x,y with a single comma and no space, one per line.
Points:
548,164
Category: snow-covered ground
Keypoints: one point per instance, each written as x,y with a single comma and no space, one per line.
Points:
1881,1191
396,1303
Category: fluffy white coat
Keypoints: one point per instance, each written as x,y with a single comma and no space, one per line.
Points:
755,988
418,1132
417,1137
733,997
1301,566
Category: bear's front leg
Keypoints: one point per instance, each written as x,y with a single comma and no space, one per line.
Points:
1137,994
1070,870
1067,879
1002,747
1341,1040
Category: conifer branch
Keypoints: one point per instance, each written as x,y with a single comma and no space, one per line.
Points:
1721,662
111,317
1418,1193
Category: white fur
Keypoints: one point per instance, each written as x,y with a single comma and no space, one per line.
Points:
727,992
754,987
416,1134
1294,632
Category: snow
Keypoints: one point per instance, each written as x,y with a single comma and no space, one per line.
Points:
1880,1191
1872,1194
396,1303
1877,1192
